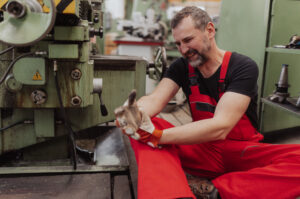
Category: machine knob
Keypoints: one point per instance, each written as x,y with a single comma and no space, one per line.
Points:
12,84
16,9
39,97
96,32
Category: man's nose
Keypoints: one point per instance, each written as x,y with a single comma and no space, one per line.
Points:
184,49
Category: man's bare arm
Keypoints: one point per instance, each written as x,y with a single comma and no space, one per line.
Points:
153,104
229,110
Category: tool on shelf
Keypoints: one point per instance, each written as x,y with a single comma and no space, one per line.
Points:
281,92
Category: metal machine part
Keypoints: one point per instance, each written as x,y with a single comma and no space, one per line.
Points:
295,101
12,84
96,32
160,64
281,92
13,34
97,88
76,101
16,9
38,97
51,75
76,74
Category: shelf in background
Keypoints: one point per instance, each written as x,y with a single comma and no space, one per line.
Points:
283,50
286,107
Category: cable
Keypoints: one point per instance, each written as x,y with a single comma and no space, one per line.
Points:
6,50
15,124
67,122
12,64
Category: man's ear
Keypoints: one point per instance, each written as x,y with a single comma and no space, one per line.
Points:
210,28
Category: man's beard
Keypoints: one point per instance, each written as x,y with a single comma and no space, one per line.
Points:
201,58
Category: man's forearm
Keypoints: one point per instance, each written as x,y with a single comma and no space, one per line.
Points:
150,106
195,133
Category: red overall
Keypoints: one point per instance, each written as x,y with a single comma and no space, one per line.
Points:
239,166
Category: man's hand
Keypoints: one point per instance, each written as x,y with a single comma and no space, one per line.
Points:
136,123
147,131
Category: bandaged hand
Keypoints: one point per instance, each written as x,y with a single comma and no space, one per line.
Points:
135,123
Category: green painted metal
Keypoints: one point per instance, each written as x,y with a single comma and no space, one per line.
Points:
283,50
19,31
72,33
70,47
44,123
48,152
284,23
69,88
84,52
63,51
30,71
18,136
243,28
260,26
117,84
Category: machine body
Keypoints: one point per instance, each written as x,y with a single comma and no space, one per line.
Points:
55,84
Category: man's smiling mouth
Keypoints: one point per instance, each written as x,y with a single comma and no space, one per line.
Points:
190,54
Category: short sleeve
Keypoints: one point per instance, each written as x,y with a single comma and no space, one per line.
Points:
177,71
243,75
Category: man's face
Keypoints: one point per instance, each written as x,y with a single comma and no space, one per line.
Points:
191,42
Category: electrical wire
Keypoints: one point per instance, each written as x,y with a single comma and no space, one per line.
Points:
12,64
6,50
67,122
15,124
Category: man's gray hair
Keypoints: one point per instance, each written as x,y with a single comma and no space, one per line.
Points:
199,16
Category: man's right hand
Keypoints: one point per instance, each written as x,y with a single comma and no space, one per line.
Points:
136,123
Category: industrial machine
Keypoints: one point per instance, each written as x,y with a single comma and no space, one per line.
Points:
149,27
56,88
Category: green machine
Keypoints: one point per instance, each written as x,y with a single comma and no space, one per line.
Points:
262,30
57,91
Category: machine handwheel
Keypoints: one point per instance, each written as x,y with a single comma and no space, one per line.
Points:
26,22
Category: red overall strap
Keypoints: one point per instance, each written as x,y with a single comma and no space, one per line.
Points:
223,71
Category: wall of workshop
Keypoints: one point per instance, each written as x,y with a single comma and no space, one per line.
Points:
115,10
211,6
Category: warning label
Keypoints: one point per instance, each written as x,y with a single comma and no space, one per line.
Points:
37,76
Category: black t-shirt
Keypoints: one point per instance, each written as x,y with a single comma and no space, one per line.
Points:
241,77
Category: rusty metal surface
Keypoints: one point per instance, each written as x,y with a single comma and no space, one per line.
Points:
74,186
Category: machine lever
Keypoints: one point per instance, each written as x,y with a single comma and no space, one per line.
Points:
97,88
85,154
102,106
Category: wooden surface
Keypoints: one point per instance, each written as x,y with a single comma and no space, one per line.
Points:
178,115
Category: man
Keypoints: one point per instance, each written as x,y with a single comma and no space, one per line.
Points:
222,143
